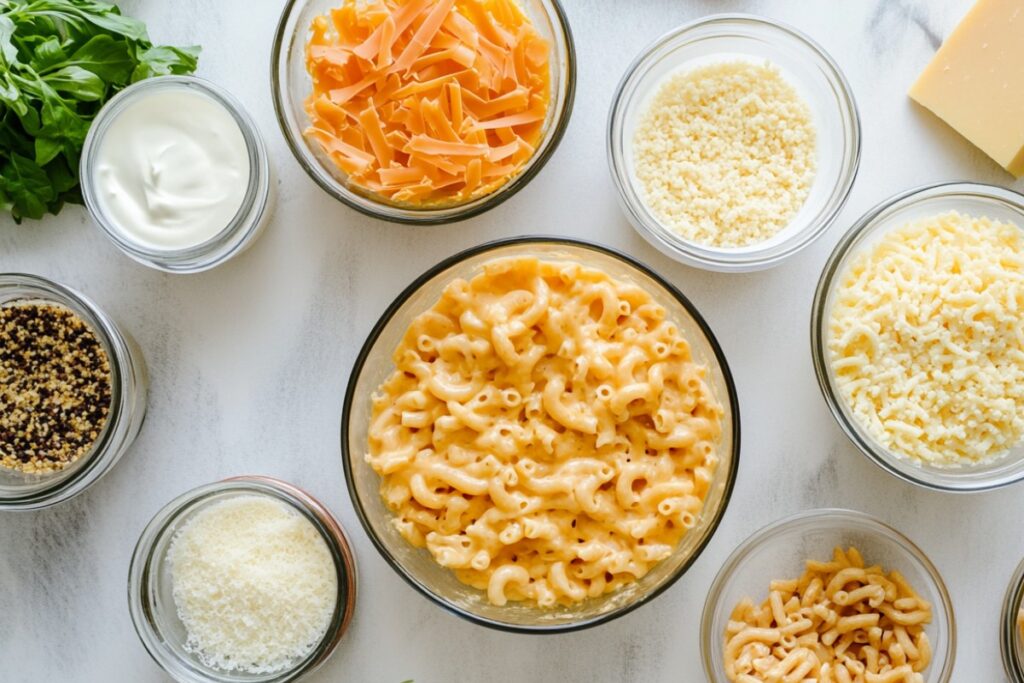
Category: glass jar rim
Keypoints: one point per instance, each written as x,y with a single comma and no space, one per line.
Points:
439,215
1010,637
718,258
246,220
145,555
97,461
826,284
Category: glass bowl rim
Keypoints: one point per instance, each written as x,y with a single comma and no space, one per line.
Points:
1010,639
768,532
98,458
718,259
826,283
385,319
444,215
308,506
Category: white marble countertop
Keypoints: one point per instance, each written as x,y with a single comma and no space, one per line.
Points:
249,364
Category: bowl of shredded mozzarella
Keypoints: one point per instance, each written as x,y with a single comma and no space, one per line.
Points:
916,336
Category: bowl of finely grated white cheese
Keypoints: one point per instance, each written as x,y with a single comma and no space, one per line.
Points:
244,580
733,142
917,338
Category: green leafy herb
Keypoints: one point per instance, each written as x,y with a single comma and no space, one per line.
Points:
60,61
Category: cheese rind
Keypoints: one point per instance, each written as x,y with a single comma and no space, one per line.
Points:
975,82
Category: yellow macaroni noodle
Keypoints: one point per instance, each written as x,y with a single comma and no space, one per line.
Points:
546,433
840,622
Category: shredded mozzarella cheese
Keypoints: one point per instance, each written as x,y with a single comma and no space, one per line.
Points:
926,341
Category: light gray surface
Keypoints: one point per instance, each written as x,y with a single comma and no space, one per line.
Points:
249,364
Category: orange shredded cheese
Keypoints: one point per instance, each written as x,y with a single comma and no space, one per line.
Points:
427,101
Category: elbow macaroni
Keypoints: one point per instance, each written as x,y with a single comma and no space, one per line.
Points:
841,622
546,433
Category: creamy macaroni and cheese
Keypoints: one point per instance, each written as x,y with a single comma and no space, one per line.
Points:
546,433
840,622
926,342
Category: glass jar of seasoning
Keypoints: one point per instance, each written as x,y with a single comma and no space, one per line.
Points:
32,303
151,590
176,174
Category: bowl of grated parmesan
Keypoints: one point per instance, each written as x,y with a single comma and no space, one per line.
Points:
917,340
733,142
242,581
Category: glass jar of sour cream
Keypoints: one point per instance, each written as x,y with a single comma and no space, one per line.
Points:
176,174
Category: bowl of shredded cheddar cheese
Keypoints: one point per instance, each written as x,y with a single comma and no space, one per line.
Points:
423,112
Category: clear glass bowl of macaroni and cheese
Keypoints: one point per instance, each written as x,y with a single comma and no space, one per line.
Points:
540,434
733,142
1011,627
916,336
423,112
828,595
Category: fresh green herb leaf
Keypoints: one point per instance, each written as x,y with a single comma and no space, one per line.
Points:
26,186
76,81
60,60
162,60
106,57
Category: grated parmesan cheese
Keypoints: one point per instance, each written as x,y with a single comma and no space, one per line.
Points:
926,341
726,153
254,584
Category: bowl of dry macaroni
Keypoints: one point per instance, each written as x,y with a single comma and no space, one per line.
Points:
828,595
540,434
917,340
733,142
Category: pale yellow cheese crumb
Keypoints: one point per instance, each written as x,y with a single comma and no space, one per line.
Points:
254,584
726,153
926,340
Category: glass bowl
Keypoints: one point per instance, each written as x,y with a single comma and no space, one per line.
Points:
969,198
291,85
415,565
151,601
779,550
128,384
253,214
816,77
1011,645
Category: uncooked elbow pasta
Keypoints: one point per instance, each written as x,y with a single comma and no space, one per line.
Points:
840,622
546,433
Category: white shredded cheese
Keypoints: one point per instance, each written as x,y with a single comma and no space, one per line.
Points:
254,584
726,153
926,341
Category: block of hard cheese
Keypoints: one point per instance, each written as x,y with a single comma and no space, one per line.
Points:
975,83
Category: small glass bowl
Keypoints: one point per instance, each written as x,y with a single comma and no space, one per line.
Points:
128,384
1011,645
415,565
151,600
816,77
252,217
974,199
291,85
779,550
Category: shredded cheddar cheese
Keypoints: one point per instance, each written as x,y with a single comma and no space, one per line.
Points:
427,101
926,341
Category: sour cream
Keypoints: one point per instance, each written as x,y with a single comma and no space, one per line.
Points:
172,169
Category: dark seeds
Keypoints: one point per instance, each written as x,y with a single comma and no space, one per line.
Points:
54,387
